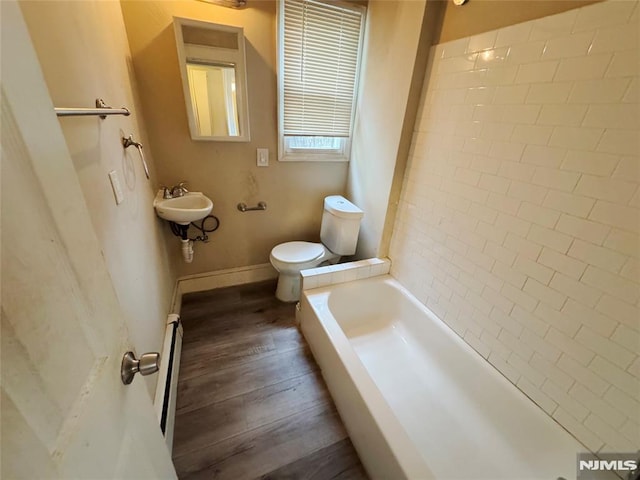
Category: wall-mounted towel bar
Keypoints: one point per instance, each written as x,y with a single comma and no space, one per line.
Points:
243,207
102,109
129,142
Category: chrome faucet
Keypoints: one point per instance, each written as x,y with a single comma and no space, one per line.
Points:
175,191
179,190
166,192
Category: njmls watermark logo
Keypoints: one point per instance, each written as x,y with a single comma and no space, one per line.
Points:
607,466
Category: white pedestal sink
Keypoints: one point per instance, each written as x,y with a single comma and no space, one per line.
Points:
192,206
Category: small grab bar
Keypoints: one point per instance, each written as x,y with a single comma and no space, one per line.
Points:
128,142
243,207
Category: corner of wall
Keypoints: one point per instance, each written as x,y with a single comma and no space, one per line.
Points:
429,32
392,39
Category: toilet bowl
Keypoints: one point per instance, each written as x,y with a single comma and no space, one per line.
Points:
339,235
292,257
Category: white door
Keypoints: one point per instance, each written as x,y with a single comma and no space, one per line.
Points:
65,412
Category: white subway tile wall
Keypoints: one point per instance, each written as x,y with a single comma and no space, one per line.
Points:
519,219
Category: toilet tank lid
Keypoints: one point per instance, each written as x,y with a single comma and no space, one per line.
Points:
341,207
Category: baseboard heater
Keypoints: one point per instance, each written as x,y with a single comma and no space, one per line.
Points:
167,389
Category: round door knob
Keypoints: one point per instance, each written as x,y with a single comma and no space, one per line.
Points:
147,364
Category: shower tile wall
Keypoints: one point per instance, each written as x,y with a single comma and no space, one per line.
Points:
519,219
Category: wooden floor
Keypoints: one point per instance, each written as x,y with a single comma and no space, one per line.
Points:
251,401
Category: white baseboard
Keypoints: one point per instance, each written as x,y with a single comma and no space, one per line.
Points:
176,299
222,278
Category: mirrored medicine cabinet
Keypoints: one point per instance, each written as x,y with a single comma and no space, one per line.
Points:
213,70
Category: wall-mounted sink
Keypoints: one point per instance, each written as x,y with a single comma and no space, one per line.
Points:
188,208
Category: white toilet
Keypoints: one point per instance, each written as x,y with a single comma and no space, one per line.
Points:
339,236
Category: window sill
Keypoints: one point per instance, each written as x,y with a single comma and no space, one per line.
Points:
313,157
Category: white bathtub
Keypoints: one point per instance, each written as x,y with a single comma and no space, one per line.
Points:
417,401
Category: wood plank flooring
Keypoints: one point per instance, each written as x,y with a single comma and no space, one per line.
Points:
251,401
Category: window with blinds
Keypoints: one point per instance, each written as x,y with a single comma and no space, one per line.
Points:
319,53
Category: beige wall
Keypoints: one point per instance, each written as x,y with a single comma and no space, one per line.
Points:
82,48
227,172
478,16
390,47
519,219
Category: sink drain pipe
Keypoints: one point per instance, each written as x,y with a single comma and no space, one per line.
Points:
187,250
187,243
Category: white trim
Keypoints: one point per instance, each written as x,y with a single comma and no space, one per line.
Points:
176,299
237,58
300,155
279,63
313,157
225,278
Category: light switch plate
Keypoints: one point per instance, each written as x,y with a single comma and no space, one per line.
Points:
262,157
115,185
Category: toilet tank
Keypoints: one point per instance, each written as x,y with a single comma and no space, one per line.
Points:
340,225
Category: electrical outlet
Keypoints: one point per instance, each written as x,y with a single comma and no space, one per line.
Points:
115,185
262,157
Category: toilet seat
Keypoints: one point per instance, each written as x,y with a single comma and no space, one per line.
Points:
297,252
338,237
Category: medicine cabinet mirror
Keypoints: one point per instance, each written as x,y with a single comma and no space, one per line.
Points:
213,70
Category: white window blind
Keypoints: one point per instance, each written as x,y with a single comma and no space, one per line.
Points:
321,50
